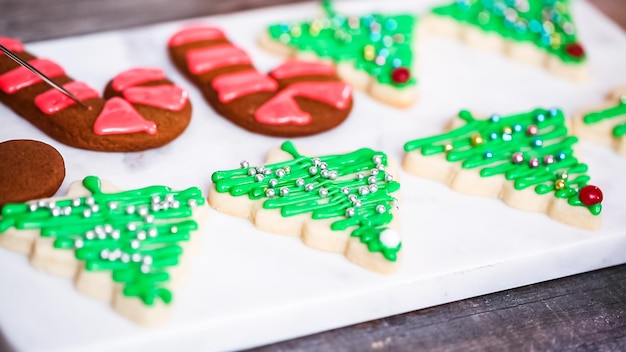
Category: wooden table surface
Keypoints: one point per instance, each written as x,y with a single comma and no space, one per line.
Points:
582,312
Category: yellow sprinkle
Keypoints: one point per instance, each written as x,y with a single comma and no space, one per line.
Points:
369,52
448,148
284,38
477,139
507,130
556,41
296,32
559,184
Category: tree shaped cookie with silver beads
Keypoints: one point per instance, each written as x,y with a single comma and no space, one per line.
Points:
605,124
344,203
525,159
129,248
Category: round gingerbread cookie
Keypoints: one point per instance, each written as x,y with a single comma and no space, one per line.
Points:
297,98
29,170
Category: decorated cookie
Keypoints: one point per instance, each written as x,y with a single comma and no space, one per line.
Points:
375,53
28,170
605,124
342,203
126,247
296,99
525,159
537,32
141,108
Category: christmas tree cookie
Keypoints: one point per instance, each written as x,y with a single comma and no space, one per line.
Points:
342,203
126,247
525,159
539,32
605,124
375,53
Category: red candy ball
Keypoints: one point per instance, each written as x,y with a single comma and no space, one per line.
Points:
575,50
400,75
590,195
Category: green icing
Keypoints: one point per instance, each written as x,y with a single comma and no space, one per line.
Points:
376,44
134,234
529,149
545,23
616,111
353,188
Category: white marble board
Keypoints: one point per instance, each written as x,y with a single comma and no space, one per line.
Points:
248,287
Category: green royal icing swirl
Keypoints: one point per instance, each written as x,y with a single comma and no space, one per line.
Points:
362,41
502,137
344,191
616,111
134,234
545,23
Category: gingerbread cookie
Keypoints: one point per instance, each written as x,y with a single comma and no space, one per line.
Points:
374,53
342,203
28,170
537,32
605,124
295,99
141,108
525,159
129,248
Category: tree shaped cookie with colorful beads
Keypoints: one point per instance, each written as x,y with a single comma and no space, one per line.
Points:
129,248
539,32
525,159
605,124
343,203
375,53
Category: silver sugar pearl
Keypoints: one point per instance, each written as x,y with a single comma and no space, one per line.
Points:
173,229
131,227
332,175
95,208
345,190
147,260
323,166
360,176
169,198
104,254
371,180
115,234
153,232
325,174
156,207
149,219
323,192
364,190
113,205
192,203
90,235
309,187
41,203
52,205
287,169
143,211
377,159
244,164
134,244
136,257
280,173
381,209
380,167
175,204
155,199
79,243
141,235
267,172
56,212
352,198
388,177
108,228
299,182
87,213
251,172
130,209
273,182
374,172
145,269
259,177
76,202
32,207
350,212
125,258
316,161
373,188
284,191
270,193
90,201
357,203
313,170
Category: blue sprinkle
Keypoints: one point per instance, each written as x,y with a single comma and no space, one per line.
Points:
535,26
561,155
517,128
488,155
553,112
507,137
545,39
537,143
384,52
540,118
391,24
284,27
495,118
396,62
375,36
493,135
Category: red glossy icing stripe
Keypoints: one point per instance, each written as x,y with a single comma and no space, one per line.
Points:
195,34
119,117
208,59
21,77
53,101
168,97
136,76
234,85
282,109
11,44
302,68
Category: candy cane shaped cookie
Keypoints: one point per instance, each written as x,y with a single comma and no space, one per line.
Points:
295,99
141,108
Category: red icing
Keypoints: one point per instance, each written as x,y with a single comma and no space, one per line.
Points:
575,50
234,85
11,44
119,117
211,58
282,109
53,101
21,77
168,97
302,68
400,75
195,34
136,76
590,195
